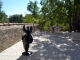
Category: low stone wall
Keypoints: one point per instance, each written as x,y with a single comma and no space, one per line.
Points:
10,35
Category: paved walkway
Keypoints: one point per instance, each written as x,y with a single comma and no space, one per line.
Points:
46,46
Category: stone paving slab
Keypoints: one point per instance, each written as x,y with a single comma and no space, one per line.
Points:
46,46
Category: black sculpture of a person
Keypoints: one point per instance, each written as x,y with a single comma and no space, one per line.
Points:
27,39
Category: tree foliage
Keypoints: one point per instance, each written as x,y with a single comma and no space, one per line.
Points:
16,18
33,8
60,12
0,5
54,11
3,16
30,19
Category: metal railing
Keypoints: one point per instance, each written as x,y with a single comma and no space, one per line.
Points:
45,28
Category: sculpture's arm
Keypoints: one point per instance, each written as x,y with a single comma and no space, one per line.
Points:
24,28
31,29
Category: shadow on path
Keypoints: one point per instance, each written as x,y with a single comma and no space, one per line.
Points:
51,46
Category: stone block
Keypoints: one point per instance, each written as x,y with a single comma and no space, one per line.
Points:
75,36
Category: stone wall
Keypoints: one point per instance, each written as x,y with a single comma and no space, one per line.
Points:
10,35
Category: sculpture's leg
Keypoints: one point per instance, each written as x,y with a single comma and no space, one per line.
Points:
27,53
27,47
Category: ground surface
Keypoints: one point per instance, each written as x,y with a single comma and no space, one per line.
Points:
46,46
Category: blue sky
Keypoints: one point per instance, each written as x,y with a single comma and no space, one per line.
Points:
11,7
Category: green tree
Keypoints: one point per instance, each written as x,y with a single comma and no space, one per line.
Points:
0,5
54,11
76,11
16,18
3,16
33,8
58,12
30,19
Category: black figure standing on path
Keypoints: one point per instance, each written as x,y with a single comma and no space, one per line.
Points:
27,38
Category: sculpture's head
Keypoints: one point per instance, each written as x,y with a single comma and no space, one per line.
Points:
27,27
